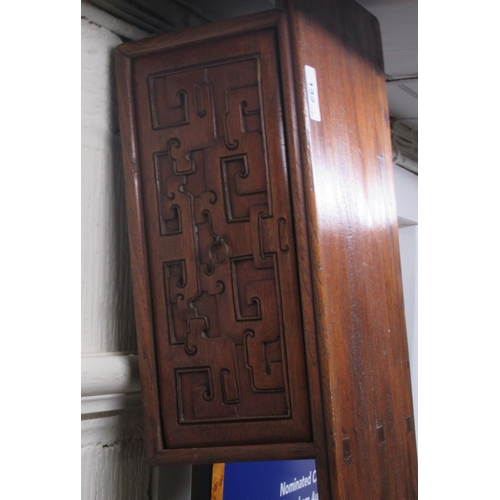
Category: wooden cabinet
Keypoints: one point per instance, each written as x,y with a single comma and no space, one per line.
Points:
231,266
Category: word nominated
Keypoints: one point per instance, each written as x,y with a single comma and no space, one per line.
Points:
295,485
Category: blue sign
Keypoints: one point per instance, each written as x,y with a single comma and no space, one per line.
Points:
283,480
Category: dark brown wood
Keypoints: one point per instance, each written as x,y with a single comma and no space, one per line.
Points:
138,255
219,237
201,34
304,261
352,229
220,242
264,248
270,451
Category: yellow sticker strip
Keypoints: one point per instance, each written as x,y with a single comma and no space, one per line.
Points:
217,482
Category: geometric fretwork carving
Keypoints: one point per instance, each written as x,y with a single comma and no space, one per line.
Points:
166,188
245,187
220,263
221,252
222,307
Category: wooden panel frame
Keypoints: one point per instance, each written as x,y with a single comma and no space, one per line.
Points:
157,453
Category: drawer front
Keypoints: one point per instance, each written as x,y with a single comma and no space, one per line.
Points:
220,242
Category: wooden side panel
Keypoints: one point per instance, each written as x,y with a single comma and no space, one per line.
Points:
221,246
350,203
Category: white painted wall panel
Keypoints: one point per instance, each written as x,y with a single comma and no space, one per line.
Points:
406,194
408,245
112,455
113,459
114,469
107,313
407,209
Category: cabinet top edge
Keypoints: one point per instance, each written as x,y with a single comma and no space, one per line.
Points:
205,32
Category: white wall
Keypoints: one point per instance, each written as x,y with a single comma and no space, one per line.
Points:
407,209
107,313
408,244
113,458
113,462
406,195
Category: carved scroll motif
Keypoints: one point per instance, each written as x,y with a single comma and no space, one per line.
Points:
222,240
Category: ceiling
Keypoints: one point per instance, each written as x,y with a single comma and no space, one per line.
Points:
399,26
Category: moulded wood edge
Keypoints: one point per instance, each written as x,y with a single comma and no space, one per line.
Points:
200,456
203,33
300,222
141,287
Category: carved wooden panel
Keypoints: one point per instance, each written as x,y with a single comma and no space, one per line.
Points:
221,248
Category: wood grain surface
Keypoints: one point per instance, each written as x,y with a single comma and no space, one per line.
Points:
221,249
352,230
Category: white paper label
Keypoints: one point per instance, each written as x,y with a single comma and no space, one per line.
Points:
312,94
